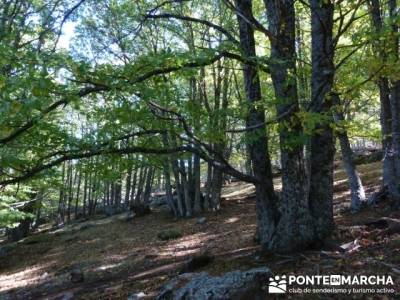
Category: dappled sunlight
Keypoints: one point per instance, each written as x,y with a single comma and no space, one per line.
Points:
185,246
91,241
242,190
107,267
30,275
231,220
118,252
340,182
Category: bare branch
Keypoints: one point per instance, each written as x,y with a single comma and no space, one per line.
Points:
195,20
276,119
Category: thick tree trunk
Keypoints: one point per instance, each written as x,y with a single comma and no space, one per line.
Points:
395,105
389,176
249,169
322,141
295,229
267,212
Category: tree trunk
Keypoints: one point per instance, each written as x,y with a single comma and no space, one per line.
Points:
108,193
395,104
196,179
85,185
78,194
133,188
168,188
148,185
179,189
175,170
70,190
322,140
185,185
356,187
389,176
128,183
216,187
267,212
89,196
142,177
96,189
295,228
61,197
207,198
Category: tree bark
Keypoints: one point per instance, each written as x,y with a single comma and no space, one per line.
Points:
168,189
148,185
128,184
175,170
142,177
185,185
133,188
62,197
70,190
389,176
322,140
207,198
196,179
395,104
216,187
267,212
356,187
295,228
85,185
78,191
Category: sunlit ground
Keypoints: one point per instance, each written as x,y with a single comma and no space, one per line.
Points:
118,257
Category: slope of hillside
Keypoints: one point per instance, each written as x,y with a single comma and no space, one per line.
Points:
119,258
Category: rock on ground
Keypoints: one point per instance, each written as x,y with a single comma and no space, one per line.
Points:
137,296
201,220
234,285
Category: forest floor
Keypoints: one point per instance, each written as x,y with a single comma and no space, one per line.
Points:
119,258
